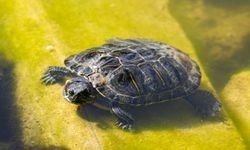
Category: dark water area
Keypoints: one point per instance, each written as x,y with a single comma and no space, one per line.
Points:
220,38
228,4
10,130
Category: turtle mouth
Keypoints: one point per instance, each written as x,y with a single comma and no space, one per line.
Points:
75,99
69,98
80,98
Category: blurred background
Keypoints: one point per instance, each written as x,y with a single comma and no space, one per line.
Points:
37,34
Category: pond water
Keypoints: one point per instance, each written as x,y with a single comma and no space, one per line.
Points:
215,33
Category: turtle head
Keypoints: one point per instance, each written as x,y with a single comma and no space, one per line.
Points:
78,91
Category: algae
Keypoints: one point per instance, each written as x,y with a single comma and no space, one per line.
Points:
46,121
236,92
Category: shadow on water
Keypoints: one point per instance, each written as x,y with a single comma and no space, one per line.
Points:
93,114
11,132
228,4
219,31
220,71
165,116
223,47
39,147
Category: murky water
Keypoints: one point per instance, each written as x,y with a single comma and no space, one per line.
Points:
32,116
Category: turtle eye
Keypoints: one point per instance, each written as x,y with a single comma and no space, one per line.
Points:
71,92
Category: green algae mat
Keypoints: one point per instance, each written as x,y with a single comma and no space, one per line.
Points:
37,34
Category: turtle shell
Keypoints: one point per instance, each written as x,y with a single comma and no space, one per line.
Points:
137,71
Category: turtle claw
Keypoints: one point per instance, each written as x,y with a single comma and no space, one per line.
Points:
123,125
126,127
48,79
125,120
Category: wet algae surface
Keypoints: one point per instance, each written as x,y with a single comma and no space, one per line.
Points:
37,34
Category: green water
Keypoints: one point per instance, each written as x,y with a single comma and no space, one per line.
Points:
214,33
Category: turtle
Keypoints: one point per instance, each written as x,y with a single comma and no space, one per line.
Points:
127,73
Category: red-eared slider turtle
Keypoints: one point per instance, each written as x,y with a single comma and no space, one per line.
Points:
132,72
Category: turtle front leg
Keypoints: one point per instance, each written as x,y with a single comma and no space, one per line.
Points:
55,74
204,103
125,120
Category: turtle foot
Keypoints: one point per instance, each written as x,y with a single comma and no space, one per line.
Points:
51,76
124,119
209,111
205,103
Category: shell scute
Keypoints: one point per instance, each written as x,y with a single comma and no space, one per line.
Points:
171,72
149,53
106,92
107,64
153,81
127,56
128,80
